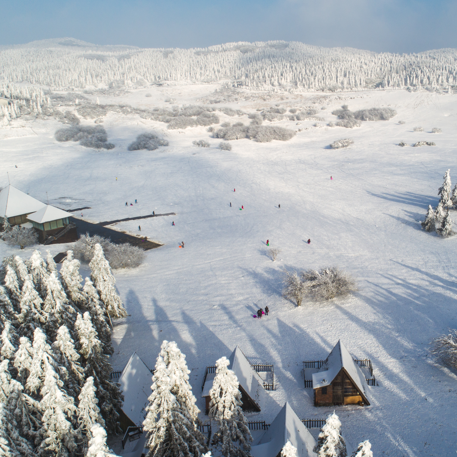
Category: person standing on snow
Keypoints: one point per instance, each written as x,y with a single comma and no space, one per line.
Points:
259,314
267,310
309,241
268,242
139,228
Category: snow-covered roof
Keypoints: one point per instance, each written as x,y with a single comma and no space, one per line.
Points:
47,214
247,377
137,449
340,358
13,202
286,427
135,381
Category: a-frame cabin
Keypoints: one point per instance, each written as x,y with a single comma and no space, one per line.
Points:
340,380
250,383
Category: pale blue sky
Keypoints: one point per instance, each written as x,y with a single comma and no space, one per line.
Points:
376,25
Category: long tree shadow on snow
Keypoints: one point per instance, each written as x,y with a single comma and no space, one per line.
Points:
408,198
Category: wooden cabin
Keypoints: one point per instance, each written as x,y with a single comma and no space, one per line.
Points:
286,427
16,205
250,383
340,381
53,222
136,382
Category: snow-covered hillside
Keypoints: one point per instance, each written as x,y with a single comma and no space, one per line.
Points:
68,63
366,221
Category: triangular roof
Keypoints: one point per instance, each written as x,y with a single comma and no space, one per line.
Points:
47,214
14,202
286,427
340,358
247,376
135,381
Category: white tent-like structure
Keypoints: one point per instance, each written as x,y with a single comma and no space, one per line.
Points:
286,427
16,205
136,382
341,378
250,383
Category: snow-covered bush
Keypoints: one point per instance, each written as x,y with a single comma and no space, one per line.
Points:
330,442
401,122
289,450
444,348
424,143
363,450
147,141
402,144
88,136
348,123
118,255
418,129
436,130
181,122
294,288
201,143
338,144
273,253
225,146
327,283
20,236
259,133
446,227
375,114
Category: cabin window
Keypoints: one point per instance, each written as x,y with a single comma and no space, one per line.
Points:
324,390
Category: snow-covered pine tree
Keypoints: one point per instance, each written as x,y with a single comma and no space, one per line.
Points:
7,338
289,450
57,306
21,270
445,190
429,223
31,314
454,196
233,437
330,442
97,443
363,450
104,281
68,358
439,212
38,271
96,364
23,358
178,372
11,443
6,307
72,279
42,357
58,414
446,227
50,264
169,430
99,316
25,410
88,411
12,285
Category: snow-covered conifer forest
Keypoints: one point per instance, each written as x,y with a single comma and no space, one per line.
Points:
300,148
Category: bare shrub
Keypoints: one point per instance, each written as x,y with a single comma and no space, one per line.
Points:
348,123
401,122
226,125
147,141
424,143
201,144
327,283
444,348
265,134
273,253
418,129
88,136
225,146
375,114
436,130
20,236
402,144
181,122
338,144
118,255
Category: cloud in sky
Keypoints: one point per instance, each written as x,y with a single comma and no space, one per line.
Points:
376,25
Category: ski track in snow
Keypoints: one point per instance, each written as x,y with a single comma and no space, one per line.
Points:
365,221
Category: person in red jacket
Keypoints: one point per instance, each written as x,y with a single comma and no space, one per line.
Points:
309,241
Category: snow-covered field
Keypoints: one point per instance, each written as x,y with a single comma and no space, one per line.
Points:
365,221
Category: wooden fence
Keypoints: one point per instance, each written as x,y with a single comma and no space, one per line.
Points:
259,425
115,375
131,434
206,430
207,372
313,423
